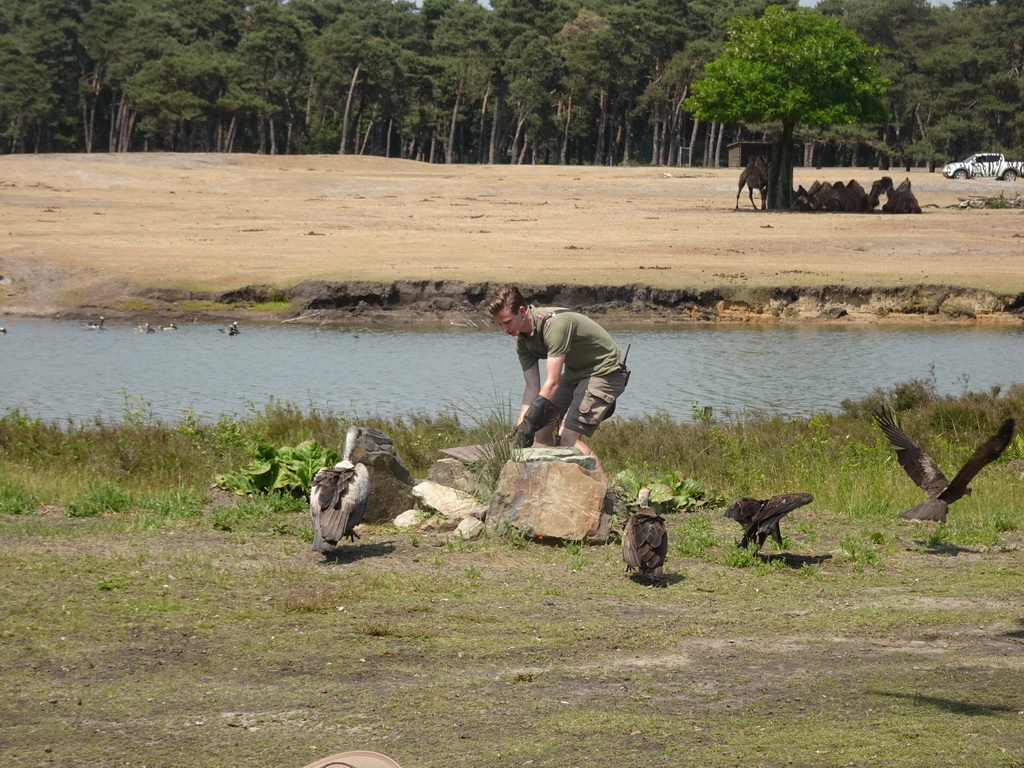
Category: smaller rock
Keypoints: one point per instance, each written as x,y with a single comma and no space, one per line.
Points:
449,502
408,519
440,524
470,528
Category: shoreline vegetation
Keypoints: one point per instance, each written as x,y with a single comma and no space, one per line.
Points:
453,302
123,573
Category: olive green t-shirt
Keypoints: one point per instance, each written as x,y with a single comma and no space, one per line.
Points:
588,348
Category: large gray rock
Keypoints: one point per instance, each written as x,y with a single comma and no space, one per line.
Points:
391,483
552,499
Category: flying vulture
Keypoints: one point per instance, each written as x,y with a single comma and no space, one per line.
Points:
922,470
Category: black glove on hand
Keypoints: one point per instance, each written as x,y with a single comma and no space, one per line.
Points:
540,414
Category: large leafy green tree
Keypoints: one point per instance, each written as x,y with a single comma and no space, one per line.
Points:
790,67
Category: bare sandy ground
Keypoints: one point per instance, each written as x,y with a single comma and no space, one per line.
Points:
83,230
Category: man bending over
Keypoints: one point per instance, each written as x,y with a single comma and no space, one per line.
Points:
585,372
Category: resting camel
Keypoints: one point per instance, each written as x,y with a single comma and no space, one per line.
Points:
755,175
898,200
814,198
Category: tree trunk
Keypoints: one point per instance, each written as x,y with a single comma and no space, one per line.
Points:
710,143
718,144
522,155
229,142
693,142
366,137
482,154
515,139
348,110
499,109
563,155
780,173
602,128
449,153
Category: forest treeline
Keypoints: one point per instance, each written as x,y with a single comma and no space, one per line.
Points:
519,81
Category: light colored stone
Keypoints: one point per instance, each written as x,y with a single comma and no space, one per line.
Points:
568,455
408,519
469,528
552,499
448,502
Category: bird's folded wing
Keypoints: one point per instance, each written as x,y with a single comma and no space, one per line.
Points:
780,505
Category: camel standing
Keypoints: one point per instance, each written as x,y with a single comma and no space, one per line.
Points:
755,175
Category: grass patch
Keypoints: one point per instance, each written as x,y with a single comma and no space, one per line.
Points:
275,307
863,635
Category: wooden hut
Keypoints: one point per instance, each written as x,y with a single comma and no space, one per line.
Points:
742,152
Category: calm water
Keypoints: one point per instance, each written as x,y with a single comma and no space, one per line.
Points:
58,369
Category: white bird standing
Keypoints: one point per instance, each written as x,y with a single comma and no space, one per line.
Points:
338,498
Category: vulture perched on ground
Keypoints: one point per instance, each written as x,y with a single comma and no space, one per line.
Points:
645,539
929,477
338,498
760,517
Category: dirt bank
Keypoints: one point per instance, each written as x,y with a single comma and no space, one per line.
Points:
350,239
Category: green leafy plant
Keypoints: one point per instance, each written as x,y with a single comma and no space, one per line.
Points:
671,493
286,469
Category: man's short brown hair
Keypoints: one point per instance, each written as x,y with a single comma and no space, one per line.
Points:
502,296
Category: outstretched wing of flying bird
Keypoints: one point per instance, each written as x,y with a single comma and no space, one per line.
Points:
987,452
915,462
922,469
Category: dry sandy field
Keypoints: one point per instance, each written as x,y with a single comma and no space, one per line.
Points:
87,232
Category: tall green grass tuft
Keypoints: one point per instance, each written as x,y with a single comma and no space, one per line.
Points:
103,498
15,499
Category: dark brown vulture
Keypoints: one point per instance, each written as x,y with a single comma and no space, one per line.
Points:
929,478
338,498
760,517
645,540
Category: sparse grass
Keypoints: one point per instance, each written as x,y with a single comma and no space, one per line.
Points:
864,635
